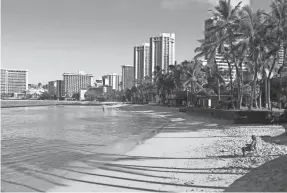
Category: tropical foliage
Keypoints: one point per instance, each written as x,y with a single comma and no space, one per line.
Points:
253,43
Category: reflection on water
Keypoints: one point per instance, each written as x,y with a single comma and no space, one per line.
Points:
49,137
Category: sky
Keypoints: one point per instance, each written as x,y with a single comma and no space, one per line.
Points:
50,37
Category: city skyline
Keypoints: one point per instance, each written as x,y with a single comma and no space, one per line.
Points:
54,37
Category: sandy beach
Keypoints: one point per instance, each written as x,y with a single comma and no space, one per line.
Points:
188,154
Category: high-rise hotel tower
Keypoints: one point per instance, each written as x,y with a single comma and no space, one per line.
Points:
127,76
162,51
141,61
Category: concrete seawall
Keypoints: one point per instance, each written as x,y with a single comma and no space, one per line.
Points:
30,103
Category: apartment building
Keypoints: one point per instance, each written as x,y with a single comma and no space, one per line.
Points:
127,76
162,51
56,88
14,81
141,61
73,82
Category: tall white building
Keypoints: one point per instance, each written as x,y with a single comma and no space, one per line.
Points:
56,87
162,51
141,61
112,80
127,77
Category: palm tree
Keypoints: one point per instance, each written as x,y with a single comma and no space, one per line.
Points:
193,77
253,42
226,30
158,81
277,28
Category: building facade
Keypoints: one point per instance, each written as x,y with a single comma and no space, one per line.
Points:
162,51
106,80
141,61
107,90
73,82
14,81
112,80
56,88
127,77
99,82
115,80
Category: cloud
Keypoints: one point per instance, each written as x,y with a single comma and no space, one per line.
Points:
185,4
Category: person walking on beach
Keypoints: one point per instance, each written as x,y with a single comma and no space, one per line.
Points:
251,146
103,108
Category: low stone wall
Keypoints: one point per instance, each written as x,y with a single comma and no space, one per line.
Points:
216,113
236,116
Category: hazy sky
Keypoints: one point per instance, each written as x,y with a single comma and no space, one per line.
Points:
50,37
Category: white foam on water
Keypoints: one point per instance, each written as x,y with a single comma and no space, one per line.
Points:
141,111
175,127
176,119
211,125
155,114
194,123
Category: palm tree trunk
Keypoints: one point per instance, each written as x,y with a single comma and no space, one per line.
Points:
280,91
240,77
218,87
253,86
260,99
241,98
238,94
218,82
256,102
266,92
231,83
230,76
269,75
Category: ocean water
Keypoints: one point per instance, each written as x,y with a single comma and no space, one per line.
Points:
46,138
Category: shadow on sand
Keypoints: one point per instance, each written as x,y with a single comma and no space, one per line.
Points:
50,155
269,177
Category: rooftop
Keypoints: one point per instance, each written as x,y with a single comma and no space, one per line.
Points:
127,66
76,74
15,69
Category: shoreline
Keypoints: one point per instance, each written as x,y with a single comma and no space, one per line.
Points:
39,103
189,154
119,146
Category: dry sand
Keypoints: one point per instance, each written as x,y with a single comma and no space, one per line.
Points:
189,154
